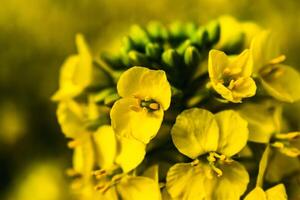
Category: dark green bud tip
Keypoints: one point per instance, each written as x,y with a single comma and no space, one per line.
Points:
171,58
127,44
200,37
213,29
153,51
182,47
139,36
137,58
191,56
177,30
157,31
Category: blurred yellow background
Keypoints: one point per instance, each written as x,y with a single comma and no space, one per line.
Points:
36,36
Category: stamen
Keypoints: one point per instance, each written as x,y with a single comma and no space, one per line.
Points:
231,84
72,173
72,144
226,71
135,108
154,106
277,60
287,136
279,145
150,105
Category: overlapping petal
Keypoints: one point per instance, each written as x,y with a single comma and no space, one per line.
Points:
195,132
144,83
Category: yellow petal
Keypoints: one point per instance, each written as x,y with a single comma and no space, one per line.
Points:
67,88
71,118
233,132
195,132
82,73
230,39
245,87
185,181
283,84
83,157
144,83
277,193
130,154
128,119
264,48
263,120
217,62
231,185
152,172
256,194
251,30
106,146
277,163
243,61
138,188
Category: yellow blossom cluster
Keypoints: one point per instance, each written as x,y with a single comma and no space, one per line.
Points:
181,112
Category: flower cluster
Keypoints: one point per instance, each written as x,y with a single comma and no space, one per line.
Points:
181,112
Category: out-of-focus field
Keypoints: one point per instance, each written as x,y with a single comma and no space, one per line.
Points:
36,36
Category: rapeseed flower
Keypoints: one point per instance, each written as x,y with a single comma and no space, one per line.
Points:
211,140
231,77
146,94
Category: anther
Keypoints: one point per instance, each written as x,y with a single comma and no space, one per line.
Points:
277,60
72,144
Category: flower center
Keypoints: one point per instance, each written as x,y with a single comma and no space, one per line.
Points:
151,105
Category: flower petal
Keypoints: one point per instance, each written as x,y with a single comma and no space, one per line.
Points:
233,132
83,157
144,83
106,146
284,84
130,154
256,194
71,118
128,119
277,193
263,120
195,132
217,62
231,185
138,188
264,48
243,61
185,181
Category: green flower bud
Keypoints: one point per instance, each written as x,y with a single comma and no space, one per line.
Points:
177,31
137,58
171,58
191,56
139,36
157,31
127,44
200,38
182,47
213,29
190,29
153,50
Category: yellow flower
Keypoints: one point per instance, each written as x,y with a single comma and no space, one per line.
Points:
115,151
275,193
231,77
127,187
145,95
264,119
78,72
198,133
241,36
281,81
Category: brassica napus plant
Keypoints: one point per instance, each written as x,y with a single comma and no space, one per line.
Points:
181,112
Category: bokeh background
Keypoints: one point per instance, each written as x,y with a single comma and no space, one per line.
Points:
36,36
